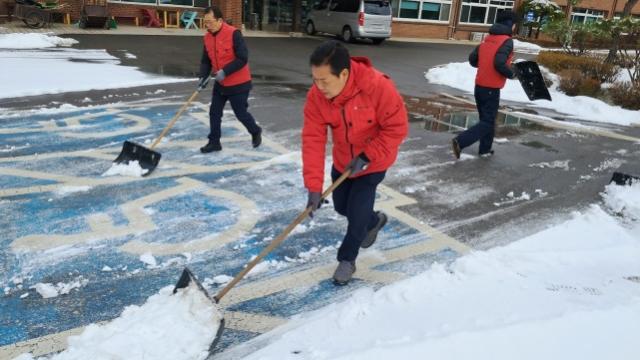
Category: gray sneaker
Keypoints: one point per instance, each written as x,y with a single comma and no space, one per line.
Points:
372,235
344,272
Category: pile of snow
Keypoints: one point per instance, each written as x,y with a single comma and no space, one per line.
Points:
526,47
47,290
132,169
558,164
33,41
566,292
462,76
167,326
624,200
66,190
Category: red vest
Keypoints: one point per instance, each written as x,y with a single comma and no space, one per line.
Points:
220,50
487,75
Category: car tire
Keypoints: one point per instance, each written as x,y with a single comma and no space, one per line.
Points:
347,34
310,29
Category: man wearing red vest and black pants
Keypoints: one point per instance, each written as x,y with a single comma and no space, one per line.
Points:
226,54
493,60
368,121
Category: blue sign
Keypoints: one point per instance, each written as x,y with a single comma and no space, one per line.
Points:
530,16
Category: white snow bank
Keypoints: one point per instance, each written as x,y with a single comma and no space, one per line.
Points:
462,76
167,326
37,72
33,41
131,169
66,190
563,293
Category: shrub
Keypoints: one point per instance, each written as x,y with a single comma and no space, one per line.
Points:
626,95
590,66
573,83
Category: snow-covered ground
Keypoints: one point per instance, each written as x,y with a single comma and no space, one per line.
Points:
570,292
167,326
462,76
47,69
526,47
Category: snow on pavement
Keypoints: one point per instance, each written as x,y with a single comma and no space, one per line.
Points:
462,76
167,326
33,41
565,292
54,70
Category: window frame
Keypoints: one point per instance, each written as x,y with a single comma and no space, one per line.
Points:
488,5
419,19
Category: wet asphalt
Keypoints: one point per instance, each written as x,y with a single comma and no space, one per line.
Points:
469,200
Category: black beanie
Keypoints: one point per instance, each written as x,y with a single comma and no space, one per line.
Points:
506,17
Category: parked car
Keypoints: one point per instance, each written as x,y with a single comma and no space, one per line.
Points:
351,19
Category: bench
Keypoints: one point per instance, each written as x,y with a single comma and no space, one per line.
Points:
134,17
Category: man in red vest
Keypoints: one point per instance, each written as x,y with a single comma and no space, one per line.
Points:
493,60
225,56
368,121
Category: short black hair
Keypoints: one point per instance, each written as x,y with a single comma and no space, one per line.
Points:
217,13
331,53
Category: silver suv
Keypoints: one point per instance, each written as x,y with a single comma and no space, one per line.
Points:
351,19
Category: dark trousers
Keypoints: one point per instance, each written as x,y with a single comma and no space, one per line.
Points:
354,198
487,102
239,105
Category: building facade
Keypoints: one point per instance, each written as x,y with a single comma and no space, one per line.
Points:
439,19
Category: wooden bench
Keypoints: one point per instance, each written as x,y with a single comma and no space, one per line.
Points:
134,17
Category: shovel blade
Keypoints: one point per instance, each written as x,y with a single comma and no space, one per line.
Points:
624,179
185,280
147,158
531,80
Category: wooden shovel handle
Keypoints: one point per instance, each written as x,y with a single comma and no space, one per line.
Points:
303,215
175,118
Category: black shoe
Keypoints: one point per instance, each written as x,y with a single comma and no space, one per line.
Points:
211,146
256,139
372,235
456,148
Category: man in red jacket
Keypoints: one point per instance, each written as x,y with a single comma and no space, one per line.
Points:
226,54
493,59
368,121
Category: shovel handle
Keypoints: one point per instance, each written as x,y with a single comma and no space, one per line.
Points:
303,215
175,118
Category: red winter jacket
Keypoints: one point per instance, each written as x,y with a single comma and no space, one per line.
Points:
493,58
367,116
219,47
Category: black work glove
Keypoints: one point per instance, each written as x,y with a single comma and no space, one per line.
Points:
314,202
359,164
202,83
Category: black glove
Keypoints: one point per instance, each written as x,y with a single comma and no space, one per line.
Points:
202,83
359,164
314,202
220,75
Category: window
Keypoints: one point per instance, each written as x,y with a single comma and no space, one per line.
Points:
376,7
586,15
432,10
321,5
483,11
345,5
185,3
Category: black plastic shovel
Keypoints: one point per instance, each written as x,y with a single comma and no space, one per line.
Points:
147,157
624,179
187,276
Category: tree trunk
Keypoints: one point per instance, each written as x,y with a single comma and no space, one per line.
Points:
297,13
615,43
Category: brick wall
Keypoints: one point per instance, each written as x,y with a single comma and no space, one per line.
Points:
419,30
232,10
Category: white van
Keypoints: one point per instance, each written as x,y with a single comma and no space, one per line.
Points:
351,19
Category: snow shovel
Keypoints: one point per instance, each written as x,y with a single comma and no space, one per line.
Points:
187,276
148,158
530,77
624,179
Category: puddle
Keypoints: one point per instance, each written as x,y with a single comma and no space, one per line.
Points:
540,145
